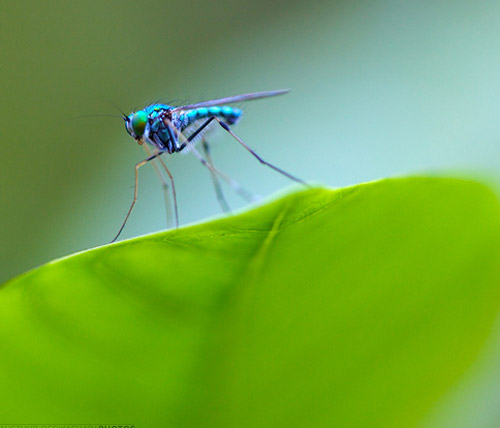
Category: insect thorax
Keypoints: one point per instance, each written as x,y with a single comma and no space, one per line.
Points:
164,127
166,124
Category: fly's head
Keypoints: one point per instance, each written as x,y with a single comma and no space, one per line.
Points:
136,125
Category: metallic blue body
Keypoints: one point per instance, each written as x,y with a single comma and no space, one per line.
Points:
161,117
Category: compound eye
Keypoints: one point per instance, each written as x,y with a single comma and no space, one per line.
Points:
139,121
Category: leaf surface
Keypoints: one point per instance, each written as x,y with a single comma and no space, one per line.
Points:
355,307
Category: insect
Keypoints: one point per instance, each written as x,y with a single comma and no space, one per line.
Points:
168,129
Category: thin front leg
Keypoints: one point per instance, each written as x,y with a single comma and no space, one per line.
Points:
137,166
176,211
262,161
218,189
164,185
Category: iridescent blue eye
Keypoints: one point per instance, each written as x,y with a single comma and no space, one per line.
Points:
139,121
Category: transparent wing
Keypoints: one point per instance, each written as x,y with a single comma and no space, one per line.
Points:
235,99
192,128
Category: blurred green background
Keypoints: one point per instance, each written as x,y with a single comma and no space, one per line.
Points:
378,89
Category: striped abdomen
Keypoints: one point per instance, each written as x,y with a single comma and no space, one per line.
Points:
228,114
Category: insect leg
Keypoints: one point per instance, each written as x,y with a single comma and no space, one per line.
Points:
262,161
245,194
164,185
176,211
218,189
137,166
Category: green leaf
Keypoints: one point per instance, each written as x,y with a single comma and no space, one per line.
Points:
355,307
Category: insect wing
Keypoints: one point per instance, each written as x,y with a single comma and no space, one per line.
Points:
235,99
